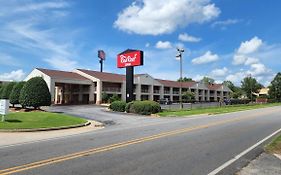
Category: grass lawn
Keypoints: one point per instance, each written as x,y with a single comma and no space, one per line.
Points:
214,110
32,120
275,145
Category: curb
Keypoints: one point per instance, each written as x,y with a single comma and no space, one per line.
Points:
52,128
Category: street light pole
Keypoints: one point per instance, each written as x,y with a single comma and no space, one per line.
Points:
180,51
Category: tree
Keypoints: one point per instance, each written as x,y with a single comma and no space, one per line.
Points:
236,91
275,88
188,96
35,93
185,79
7,89
15,94
207,80
250,85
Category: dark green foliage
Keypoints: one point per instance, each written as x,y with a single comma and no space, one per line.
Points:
239,101
185,79
236,91
129,108
250,85
15,94
275,88
104,97
35,93
143,107
114,98
7,89
118,106
188,96
207,80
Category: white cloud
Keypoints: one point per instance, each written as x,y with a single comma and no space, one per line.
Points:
236,77
147,44
250,46
61,63
42,6
16,75
188,38
208,57
225,23
163,45
259,69
247,48
151,17
219,72
251,61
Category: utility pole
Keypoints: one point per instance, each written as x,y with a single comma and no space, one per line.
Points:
180,51
251,86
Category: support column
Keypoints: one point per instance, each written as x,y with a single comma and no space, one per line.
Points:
92,93
161,92
151,89
138,91
99,92
123,91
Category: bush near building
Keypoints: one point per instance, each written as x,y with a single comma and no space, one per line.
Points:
114,98
6,90
35,93
15,94
143,107
118,106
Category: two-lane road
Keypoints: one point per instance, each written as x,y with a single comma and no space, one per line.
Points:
158,146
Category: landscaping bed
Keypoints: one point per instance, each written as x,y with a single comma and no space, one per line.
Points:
39,120
214,110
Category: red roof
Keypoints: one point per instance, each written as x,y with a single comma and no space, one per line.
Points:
62,74
104,76
214,86
170,83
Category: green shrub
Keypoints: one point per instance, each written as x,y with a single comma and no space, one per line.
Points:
114,98
7,89
144,107
15,94
35,93
129,108
104,97
118,106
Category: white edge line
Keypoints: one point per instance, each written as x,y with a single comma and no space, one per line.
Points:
226,164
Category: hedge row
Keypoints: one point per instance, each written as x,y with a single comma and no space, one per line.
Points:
138,107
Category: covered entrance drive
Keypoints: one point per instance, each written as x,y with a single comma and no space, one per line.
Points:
71,93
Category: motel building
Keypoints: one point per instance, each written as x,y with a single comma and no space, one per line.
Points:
86,87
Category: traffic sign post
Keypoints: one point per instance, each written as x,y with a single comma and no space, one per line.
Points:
4,108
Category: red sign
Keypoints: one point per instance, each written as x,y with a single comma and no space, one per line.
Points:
101,54
130,58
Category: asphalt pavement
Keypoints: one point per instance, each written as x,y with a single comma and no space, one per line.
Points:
133,144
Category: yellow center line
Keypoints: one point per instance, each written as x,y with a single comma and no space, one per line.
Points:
115,146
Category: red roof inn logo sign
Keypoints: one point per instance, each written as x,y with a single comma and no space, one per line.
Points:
130,58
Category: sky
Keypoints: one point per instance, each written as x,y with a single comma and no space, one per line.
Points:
222,39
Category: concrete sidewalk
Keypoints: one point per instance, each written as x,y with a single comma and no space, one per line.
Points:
265,164
17,138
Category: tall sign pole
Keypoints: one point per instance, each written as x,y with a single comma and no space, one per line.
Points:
101,55
129,59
